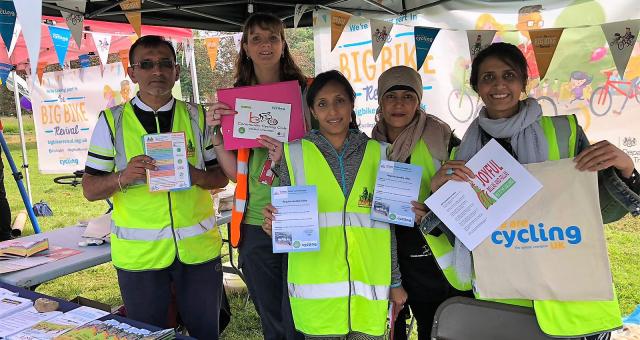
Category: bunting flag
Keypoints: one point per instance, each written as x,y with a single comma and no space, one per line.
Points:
237,40
479,40
102,42
380,34
124,59
40,70
188,50
7,22
621,37
134,18
424,37
174,43
29,14
544,43
5,69
16,32
298,12
74,21
212,45
85,60
60,37
339,21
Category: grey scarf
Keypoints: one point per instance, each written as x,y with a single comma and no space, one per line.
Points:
527,141
523,130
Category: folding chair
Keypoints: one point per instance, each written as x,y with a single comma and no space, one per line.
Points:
462,318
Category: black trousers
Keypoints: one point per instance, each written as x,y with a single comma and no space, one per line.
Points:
147,294
265,273
5,211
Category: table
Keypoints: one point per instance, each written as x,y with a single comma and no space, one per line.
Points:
91,256
66,306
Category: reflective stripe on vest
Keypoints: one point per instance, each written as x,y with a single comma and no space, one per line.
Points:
151,229
570,318
338,289
240,197
348,284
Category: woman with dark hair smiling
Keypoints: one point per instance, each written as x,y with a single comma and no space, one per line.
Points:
340,291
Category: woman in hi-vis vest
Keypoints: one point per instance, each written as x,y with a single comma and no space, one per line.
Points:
499,76
420,139
264,58
341,290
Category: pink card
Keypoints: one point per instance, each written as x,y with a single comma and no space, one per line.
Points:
287,92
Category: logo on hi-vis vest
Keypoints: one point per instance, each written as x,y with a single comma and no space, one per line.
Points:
190,149
364,201
524,235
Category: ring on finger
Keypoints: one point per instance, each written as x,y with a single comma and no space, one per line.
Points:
449,172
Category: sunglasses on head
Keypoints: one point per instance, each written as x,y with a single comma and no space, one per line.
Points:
164,64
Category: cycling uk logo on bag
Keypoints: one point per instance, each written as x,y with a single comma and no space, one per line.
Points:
523,234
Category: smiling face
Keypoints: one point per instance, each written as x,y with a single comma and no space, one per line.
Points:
399,107
499,86
264,47
332,108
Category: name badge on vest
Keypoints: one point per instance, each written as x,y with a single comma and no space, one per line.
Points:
267,175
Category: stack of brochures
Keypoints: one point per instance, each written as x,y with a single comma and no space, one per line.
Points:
58,325
13,249
112,329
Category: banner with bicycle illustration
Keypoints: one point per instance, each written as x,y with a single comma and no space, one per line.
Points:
65,110
582,78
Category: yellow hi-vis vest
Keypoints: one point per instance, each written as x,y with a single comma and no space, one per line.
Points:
148,229
569,318
343,287
440,246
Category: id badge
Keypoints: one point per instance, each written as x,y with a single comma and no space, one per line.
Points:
267,175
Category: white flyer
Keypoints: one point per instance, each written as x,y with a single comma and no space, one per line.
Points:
295,225
475,209
51,328
169,150
256,117
23,319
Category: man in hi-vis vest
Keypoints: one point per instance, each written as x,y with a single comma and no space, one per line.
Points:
159,238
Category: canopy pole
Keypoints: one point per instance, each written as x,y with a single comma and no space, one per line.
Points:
23,142
194,75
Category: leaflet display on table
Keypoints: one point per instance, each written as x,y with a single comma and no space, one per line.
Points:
59,325
114,330
10,304
23,319
169,150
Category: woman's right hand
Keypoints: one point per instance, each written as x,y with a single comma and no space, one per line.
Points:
268,212
451,170
214,117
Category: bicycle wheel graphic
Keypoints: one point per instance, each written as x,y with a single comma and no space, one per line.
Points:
600,102
549,106
461,109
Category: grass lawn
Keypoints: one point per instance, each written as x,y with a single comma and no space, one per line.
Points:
99,283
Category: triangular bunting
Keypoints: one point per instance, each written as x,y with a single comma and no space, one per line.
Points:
188,50
212,45
380,34
339,21
298,13
74,21
16,33
7,22
424,37
102,42
40,70
60,37
30,16
134,18
544,43
124,59
5,69
479,40
621,37
237,41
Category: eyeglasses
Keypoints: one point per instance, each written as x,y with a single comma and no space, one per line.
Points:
164,64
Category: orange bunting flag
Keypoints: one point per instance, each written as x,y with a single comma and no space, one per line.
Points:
339,21
544,43
134,18
124,59
40,70
212,45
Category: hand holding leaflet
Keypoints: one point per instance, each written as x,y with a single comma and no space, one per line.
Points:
169,150
397,185
295,225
